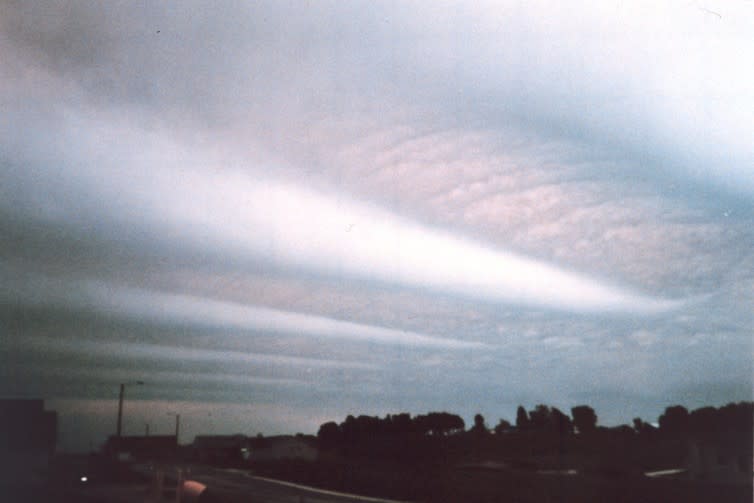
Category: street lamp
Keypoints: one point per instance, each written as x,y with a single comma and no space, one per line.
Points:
120,404
177,425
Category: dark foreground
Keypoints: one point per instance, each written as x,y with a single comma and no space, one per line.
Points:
483,484
109,481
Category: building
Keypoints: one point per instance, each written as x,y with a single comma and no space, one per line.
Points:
28,436
282,447
237,449
26,427
220,449
155,447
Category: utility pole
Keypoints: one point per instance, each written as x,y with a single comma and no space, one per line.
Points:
119,429
120,409
177,425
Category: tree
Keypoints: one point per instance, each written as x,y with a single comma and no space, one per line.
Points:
502,427
560,422
401,423
622,430
643,428
329,434
736,417
703,420
539,418
348,429
522,418
439,423
367,426
479,427
674,420
584,418
638,425
549,419
453,423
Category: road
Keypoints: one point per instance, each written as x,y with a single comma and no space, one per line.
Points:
235,486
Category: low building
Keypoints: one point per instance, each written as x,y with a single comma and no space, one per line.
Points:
220,449
282,447
131,448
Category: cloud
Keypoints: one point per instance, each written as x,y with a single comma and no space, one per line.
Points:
419,202
167,381
654,85
187,310
166,354
338,236
660,87
243,218
169,185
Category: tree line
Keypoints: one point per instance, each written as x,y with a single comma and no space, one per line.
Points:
354,429
583,420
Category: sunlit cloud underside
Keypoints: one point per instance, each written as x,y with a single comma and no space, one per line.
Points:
242,218
336,235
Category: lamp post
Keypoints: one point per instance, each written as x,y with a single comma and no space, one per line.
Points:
177,425
120,404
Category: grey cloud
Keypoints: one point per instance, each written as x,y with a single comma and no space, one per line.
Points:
165,354
217,59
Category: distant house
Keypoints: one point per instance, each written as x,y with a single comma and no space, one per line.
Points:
220,449
282,447
129,448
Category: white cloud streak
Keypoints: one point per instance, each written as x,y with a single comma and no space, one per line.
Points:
181,309
335,235
234,213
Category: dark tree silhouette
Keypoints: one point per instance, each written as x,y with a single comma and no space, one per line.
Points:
539,418
552,419
329,434
439,423
560,421
584,418
522,418
674,420
413,453
348,429
644,429
622,430
357,429
703,420
737,417
367,426
479,427
401,424
503,426
444,423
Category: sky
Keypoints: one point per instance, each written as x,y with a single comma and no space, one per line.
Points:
275,214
